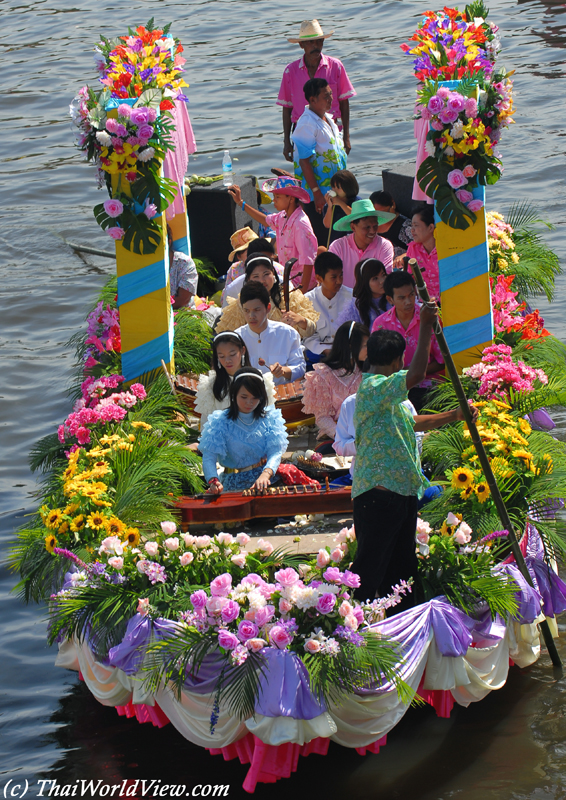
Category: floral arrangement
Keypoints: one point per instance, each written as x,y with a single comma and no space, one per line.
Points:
126,128
500,242
497,374
465,122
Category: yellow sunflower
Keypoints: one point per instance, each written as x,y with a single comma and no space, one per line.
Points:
101,503
78,523
43,512
525,427
482,491
115,526
69,472
500,404
50,543
96,521
140,424
53,519
64,527
462,477
467,493
71,509
132,537
110,439
524,455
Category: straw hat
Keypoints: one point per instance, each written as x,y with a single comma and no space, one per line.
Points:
310,29
240,241
361,209
285,185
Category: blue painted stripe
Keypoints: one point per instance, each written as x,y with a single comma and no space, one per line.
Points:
141,282
470,333
148,356
182,245
463,266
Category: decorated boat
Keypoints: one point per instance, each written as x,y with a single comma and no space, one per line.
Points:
249,651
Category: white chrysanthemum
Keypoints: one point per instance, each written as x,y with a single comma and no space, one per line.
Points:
146,155
457,130
324,588
307,598
430,149
104,138
256,600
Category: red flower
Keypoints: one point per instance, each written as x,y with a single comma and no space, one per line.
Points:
166,105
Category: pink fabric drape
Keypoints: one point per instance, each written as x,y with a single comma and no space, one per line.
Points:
176,162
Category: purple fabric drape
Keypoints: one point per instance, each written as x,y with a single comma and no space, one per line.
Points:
285,688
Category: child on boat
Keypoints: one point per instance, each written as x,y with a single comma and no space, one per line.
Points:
368,301
295,236
388,481
329,299
247,439
272,346
404,318
336,377
229,354
301,315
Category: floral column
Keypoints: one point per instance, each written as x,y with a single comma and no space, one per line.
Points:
463,105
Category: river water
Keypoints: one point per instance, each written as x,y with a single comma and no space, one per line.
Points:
510,746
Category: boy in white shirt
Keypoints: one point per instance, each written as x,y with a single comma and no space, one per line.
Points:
329,298
272,346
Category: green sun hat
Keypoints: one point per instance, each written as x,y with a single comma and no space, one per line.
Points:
361,209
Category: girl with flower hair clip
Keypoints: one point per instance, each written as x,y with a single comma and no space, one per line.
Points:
247,439
229,354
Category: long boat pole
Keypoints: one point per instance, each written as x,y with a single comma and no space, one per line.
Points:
484,460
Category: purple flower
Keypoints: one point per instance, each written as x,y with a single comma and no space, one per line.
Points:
139,116
247,630
448,115
145,132
326,603
351,636
455,102
351,579
435,104
231,611
227,640
122,131
333,575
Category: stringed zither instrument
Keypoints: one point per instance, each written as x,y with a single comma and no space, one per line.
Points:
276,501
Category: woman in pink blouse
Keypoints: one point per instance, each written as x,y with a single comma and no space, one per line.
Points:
336,377
423,248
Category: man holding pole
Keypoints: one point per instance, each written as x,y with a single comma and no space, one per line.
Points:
388,481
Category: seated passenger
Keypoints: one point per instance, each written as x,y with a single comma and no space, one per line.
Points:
423,247
329,298
240,241
363,241
272,346
336,377
248,438
259,247
398,229
295,237
404,318
301,314
369,300
229,354
183,276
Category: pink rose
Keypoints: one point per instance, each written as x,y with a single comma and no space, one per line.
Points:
243,539
247,630
332,575
337,554
285,606
224,538
116,562
139,116
202,541
471,107
312,646
436,125
322,559
145,132
279,637
227,640
222,585
456,102
115,233
475,205
214,605
113,208
188,539
422,538
265,546
143,606
435,104
186,559
351,622
326,603
239,560
464,196
255,645
469,171
199,598
456,179
448,116
230,611
264,615
345,609
287,577
168,528
351,579
172,544
151,548
359,614
443,92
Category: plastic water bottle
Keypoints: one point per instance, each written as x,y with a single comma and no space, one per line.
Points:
227,169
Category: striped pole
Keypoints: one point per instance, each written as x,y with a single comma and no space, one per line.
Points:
463,266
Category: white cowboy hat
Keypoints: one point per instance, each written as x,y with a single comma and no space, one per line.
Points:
310,29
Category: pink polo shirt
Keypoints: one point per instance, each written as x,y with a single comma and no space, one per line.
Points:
291,94
428,262
295,239
347,249
390,322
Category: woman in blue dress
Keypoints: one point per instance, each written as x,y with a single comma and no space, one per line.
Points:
247,439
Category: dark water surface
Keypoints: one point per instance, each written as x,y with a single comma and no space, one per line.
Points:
512,745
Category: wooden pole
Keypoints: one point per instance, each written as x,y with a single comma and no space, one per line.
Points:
484,460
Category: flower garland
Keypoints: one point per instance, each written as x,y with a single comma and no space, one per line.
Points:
465,123
128,140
